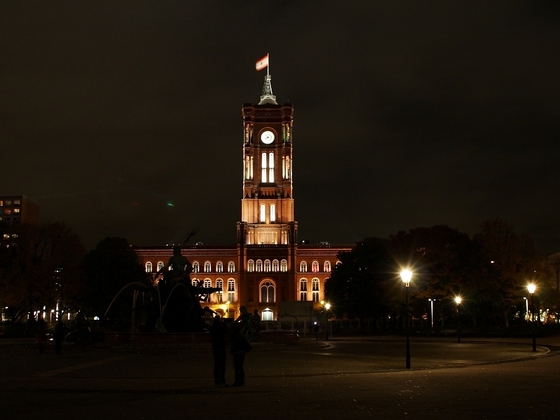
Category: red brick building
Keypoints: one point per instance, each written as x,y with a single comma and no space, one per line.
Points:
267,268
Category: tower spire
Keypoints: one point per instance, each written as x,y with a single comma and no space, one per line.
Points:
267,96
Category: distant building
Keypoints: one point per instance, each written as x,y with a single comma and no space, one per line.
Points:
18,209
267,268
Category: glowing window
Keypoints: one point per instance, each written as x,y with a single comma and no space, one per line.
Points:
250,266
219,267
231,267
231,290
195,267
148,267
267,315
263,213
303,266
207,267
315,267
263,167
259,266
283,266
267,266
219,294
272,213
275,266
303,290
160,265
315,289
271,167
327,267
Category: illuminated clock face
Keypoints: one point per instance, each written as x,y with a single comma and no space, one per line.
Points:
267,137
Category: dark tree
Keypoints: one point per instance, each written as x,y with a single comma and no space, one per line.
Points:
357,285
108,268
39,266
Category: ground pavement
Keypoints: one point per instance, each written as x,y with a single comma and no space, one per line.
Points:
354,378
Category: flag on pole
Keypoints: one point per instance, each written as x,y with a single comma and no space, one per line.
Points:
262,63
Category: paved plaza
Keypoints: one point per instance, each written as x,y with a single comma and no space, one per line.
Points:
354,378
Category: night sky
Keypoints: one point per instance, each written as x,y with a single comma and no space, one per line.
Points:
123,118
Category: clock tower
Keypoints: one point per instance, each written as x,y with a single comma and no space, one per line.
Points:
267,206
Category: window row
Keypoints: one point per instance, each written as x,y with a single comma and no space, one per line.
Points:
195,267
267,266
315,267
228,295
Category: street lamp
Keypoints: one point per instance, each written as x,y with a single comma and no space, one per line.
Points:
406,276
327,307
531,287
458,301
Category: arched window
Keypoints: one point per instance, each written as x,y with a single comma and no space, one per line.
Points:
207,283
315,266
250,266
272,213
194,282
315,289
267,292
219,267
263,167
148,267
283,266
195,267
327,267
303,266
231,267
231,290
219,294
271,167
160,265
259,266
303,290
207,267
267,266
275,266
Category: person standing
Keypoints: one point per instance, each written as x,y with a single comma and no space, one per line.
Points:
218,332
239,346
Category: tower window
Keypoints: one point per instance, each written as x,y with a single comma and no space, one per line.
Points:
263,213
271,167
272,213
263,168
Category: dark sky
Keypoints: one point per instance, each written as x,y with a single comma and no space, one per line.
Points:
407,114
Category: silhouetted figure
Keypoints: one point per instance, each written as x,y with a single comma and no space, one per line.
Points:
41,334
179,265
59,334
239,346
218,332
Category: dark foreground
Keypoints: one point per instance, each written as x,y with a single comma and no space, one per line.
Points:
342,378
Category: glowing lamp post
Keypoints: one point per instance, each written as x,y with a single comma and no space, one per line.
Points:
531,287
327,307
458,301
406,276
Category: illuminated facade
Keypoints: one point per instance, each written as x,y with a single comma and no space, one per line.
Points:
267,266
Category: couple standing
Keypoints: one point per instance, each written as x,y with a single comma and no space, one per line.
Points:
239,346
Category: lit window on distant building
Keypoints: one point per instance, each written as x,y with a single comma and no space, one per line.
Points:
263,213
219,267
231,290
207,267
267,315
283,266
250,266
303,290
315,289
327,267
275,266
220,293
315,267
259,267
16,210
160,265
231,267
303,267
195,267
272,213
148,267
267,266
